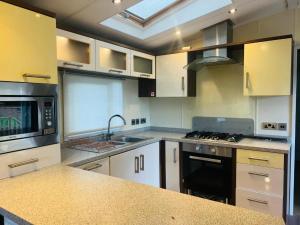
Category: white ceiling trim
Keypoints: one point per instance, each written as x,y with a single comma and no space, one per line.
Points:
190,11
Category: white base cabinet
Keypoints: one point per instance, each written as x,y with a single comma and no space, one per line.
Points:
21,162
140,165
172,166
260,181
99,166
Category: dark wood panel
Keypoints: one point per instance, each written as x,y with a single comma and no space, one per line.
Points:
191,78
229,45
147,87
233,186
24,5
162,159
181,168
1,220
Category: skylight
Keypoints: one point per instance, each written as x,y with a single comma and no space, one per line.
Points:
149,18
148,8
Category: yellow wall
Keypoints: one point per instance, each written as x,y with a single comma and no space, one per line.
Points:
287,22
219,94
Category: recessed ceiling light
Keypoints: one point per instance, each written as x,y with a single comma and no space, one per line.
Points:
116,2
186,48
178,33
232,11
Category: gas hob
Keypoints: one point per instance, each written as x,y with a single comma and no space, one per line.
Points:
214,136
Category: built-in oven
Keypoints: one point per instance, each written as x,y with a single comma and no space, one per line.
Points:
28,116
207,172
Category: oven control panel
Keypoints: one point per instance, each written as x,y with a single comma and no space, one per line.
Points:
49,118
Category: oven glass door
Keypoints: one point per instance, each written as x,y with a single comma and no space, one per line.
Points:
207,176
19,118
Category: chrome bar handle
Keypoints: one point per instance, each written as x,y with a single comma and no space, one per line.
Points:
115,71
136,164
174,155
205,159
182,83
72,64
258,174
23,163
257,201
92,167
36,76
145,75
142,163
258,159
247,80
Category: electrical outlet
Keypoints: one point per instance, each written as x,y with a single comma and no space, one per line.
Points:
282,126
269,126
133,122
143,120
137,121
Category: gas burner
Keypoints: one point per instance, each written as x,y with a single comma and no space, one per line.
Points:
216,136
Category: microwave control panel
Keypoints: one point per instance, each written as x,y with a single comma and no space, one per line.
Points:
49,118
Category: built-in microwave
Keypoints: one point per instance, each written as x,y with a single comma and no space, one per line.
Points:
28,116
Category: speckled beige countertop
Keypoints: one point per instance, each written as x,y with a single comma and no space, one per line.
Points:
63,195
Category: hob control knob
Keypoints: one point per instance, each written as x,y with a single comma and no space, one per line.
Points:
213,150
49,123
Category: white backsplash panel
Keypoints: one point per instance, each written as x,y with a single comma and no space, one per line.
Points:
274,110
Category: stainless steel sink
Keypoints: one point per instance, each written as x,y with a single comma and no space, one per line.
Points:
100,145
128,139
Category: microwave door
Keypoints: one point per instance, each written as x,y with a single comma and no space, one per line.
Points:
20,117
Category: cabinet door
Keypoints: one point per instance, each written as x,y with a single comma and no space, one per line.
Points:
171,78
27,44
149,165
99,166
112,59
172,166
142,65
125,165
21,162
264,203
75,51
268,68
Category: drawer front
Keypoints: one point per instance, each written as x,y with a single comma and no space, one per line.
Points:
269,204
99,166
260,179
266,159
21,162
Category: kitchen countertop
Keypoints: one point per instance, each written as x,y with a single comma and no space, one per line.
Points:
76,157
63,195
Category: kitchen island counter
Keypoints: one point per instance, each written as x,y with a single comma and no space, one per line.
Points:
64,195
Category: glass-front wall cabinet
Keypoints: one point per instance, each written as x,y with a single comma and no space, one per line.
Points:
142,65
112,59
75,51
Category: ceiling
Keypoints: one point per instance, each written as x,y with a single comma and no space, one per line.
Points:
87,14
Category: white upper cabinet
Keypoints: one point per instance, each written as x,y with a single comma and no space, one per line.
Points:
112,59
75,51
171,78
142,65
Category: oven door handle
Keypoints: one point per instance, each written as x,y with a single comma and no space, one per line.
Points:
219,161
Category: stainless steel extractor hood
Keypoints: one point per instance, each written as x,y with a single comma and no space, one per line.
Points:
218,34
